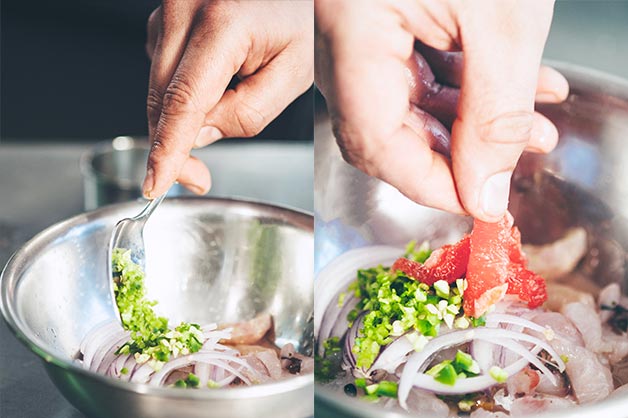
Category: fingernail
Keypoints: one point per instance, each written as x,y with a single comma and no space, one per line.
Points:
194,188
543,135
547,97
149,183
494,196
206,136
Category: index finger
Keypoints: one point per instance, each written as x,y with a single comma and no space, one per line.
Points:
201,77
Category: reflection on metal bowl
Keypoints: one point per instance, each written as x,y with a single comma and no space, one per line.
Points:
208,260
581,183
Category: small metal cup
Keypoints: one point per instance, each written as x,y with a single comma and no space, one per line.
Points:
113,172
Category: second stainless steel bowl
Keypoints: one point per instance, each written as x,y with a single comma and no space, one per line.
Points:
208,260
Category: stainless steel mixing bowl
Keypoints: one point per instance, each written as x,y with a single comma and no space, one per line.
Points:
583,182
208,260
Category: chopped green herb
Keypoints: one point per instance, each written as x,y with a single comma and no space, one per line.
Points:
124,370
386,388
327,366
498,374
341,299
371,398
212,384
193,380
360,383
151,338
449,371
478,322
395,304
417,254
464,361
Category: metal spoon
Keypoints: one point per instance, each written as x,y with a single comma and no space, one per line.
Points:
129,234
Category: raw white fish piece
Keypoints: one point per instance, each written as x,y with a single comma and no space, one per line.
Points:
558,258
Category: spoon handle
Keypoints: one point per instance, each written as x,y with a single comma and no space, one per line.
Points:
150,207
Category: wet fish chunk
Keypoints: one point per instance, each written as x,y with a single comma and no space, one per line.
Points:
559,257
249,332
533,405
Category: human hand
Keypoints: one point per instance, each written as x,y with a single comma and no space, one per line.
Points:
196,47
388,111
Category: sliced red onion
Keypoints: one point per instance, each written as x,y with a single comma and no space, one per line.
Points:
142,374
393,354
486,354
494,319
96,343
347,352
336,276
419,361
528,355
131,365
212,359
462,386
202,370
226,381
101,365
335,323
218,360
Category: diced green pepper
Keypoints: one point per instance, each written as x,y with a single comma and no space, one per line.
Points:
444,372
386,388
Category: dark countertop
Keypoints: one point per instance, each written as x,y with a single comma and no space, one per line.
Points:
41,185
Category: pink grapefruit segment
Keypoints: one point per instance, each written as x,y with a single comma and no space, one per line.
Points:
497,266
447,263
492,261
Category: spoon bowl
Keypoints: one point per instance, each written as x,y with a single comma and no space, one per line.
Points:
129,234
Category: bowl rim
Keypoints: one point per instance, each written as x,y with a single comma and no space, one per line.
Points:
9,280
578,76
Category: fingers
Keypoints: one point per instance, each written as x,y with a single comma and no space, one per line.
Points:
425,92
496,109
195,176
552,86
152,31
368,95
259,98
170,42
428,128
198,82
543,135
423,175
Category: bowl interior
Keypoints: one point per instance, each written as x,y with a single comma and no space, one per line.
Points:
582,183
208,260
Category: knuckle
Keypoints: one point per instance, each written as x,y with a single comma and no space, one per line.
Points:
508,128
178,97
153,105
357,150
162,149
249,118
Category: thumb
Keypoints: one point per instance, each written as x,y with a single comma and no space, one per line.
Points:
496,116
